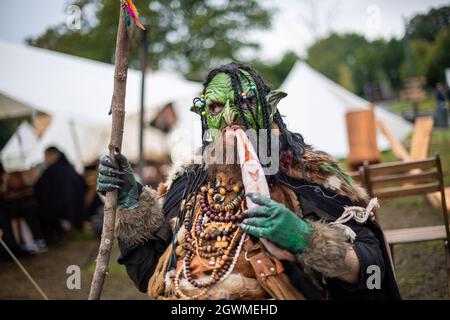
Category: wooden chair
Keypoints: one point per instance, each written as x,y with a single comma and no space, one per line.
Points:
407,178
357,177
420,144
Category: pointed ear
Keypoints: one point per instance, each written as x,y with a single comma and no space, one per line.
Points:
195,110
273,98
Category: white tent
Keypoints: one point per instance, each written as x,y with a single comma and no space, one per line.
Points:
80,143
316,108
70,86
15,153
10,108
186,137
77,92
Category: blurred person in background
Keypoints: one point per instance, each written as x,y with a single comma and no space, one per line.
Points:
93,202
60,192
21,206
441,112
6,231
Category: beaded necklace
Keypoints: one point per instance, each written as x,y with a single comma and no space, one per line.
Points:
212,235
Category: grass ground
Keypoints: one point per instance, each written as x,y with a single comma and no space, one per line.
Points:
426,105
49,271
420,267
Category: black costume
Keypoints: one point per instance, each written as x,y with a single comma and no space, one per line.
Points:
141,259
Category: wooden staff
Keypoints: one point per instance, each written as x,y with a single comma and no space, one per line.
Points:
118,116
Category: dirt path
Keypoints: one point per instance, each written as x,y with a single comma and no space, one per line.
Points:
420,267
49,271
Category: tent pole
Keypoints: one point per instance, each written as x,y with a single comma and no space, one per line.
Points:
21,267
76,143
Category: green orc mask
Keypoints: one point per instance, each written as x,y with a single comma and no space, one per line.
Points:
235,94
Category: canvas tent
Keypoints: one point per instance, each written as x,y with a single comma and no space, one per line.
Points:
19,146
10,108
77,92
316,108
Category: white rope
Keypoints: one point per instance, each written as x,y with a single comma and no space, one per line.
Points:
41,292
359,214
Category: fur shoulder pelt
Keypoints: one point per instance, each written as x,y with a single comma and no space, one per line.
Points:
321,168
176,171
137,225
326,251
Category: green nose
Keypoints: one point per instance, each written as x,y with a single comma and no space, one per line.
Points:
229,115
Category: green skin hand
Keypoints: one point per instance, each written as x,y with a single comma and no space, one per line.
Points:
111,177
276,223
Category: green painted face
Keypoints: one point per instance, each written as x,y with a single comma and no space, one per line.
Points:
221,110
220,107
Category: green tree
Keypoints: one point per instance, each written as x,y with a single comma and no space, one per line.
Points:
420,50
427,26
392,59
275,73
346,78
368,66
439,58
352,61
329,54
191,36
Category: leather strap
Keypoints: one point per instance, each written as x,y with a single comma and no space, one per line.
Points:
270,272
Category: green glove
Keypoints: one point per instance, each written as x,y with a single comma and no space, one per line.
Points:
111,177
273,221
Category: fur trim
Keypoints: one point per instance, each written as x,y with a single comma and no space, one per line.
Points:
134,226
313,161
177,170
326,251
162,190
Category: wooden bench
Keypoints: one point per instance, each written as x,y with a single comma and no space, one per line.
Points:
419,234
407,178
